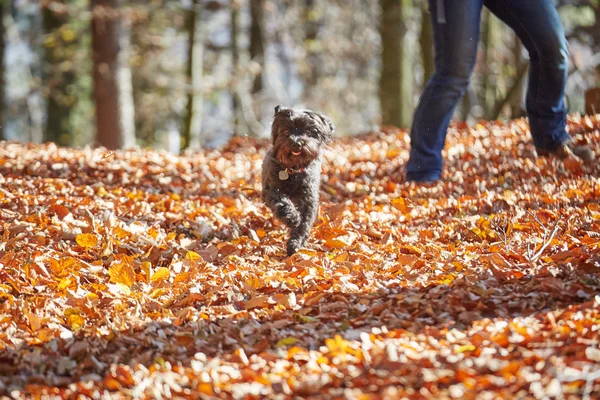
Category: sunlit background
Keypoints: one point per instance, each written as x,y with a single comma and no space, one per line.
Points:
191,73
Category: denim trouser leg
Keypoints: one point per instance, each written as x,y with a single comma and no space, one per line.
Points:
538,25
456,32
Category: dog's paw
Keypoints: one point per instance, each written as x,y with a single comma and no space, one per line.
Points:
293,246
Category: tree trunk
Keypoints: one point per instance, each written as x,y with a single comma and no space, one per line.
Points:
516,107
193,123
394,84
426,43
58,74
406,56
257,49
113,93
592,101
235,65
487,95
309,68
4,8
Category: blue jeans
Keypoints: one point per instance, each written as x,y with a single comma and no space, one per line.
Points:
456,33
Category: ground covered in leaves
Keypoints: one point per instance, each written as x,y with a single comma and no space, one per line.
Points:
143,274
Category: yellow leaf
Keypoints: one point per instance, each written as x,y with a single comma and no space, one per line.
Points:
92,296
74,317
101,191
64,283
157,293
145,267
160,274
193,256
170,236
288,341
122,272
87,240
463,348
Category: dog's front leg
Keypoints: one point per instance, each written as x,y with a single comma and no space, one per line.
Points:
299,234
283,208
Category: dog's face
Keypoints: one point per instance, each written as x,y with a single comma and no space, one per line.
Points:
298,136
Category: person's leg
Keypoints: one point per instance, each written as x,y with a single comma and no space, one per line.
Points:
538,25
456,32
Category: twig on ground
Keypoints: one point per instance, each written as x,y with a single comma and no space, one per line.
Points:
546,240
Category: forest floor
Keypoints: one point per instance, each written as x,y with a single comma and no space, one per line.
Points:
144,274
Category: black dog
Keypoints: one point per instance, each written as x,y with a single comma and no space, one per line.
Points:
291,173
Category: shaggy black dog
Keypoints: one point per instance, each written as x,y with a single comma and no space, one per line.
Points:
291,174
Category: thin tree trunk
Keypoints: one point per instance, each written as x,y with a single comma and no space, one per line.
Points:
257,49
408,49
235,65
4,8
465,106
516,108
487,98
426,43
59,75
592,101
193,122
511,93
395,110
113,94
309,68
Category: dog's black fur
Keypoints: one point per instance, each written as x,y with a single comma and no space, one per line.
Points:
291,173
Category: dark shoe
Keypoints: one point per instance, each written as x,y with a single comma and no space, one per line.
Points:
569,149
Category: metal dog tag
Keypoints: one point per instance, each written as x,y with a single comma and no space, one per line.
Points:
283,175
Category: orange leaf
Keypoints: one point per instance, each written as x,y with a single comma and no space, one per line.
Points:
87,240
60,210
122,272
402,205
343,241
182,277
34,321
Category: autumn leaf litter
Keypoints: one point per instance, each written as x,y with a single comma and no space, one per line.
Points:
145,274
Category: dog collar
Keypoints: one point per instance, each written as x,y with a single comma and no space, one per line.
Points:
284,174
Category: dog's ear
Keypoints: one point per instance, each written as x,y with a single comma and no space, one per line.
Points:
327,124
278,108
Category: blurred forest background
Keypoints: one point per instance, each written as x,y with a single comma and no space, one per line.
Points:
177,74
